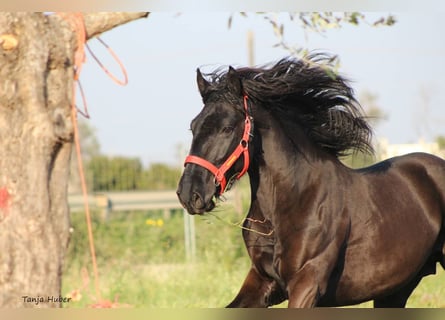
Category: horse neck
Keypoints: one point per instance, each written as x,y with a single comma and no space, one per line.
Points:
285,167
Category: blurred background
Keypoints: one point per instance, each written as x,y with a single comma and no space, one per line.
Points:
151,253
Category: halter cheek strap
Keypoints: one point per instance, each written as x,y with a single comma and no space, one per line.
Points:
241,149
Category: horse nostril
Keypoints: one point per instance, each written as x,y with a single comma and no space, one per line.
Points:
197,200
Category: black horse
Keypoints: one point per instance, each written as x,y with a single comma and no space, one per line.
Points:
318,233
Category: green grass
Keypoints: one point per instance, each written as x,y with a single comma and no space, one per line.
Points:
142,263
430,293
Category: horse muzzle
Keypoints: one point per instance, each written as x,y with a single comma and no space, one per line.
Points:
193,200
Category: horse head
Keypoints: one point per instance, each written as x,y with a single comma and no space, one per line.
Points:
219,153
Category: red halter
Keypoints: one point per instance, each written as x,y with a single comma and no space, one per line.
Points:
241,149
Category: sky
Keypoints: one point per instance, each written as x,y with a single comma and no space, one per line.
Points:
402,65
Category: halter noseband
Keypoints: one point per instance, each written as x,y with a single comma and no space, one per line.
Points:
241,149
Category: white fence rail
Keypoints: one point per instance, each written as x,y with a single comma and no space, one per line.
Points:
109,202
127,201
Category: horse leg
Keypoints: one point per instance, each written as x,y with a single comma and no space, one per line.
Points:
306,286
257,292
399,298
303,289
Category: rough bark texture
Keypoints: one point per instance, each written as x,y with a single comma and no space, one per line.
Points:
36,133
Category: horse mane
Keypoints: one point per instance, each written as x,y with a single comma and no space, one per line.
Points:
307,93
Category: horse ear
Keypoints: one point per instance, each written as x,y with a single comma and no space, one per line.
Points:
203,84
234,82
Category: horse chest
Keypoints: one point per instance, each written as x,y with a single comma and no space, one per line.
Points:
270,252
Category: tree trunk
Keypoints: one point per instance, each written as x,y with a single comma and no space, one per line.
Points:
36,134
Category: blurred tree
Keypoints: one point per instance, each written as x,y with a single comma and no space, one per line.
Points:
373,111
126,174
90,148
440,140
88,140
115,173
161,176
375,115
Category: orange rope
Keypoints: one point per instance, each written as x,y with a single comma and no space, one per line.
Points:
77,22
83,112
116,58
85,199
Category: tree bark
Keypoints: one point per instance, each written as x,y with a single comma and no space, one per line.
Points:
36,134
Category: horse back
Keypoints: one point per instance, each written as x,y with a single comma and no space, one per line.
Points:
420,175
401,220
424,174
416,179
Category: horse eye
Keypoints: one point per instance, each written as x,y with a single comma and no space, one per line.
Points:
227,130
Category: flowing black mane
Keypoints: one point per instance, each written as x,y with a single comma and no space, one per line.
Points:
312,95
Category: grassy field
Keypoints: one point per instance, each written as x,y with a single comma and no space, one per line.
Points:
141,263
